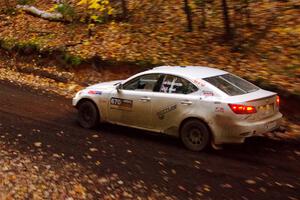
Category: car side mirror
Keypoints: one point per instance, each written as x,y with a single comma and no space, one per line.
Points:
119,87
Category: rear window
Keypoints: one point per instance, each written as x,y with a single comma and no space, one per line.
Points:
231,84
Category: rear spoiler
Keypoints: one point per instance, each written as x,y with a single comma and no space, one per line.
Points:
274,95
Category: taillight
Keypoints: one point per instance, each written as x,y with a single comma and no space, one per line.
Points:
277,100
242,109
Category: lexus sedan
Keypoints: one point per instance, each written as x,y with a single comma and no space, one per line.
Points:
199,105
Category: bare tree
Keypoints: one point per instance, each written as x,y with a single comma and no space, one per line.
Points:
202,4
188,13
124,10
7,4
227,24
247,12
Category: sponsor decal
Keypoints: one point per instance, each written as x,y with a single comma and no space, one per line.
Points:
170,86
164,89
95,92
121,104
172,83
161,114
199,82
219,109
207,93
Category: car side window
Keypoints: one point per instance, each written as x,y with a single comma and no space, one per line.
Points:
142,83
177,85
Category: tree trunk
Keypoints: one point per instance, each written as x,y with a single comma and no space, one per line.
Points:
248,13
228,31
124,10
40,13
7,4
203,15
188,13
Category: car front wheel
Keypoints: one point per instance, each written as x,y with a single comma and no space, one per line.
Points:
195,135
88,115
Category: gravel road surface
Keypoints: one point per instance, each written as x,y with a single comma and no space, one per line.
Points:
44,154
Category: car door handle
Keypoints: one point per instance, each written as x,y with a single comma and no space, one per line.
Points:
186,102
145,99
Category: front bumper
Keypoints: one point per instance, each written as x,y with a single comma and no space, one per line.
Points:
280,129
74,102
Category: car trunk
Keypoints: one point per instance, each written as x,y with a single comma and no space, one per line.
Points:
263,101
265,107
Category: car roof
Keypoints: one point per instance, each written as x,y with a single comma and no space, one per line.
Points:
192,72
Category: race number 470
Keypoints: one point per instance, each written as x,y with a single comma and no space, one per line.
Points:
114,101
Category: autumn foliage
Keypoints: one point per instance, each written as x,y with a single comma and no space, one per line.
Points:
256,39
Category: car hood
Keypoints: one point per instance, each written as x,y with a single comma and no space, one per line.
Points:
105,85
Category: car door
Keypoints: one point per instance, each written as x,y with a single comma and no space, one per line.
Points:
131,105
174,100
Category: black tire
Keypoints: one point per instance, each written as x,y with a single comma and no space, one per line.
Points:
88,114
195,135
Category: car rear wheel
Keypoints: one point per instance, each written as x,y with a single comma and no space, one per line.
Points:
195,135
88,115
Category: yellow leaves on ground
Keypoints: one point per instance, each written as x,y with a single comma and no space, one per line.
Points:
287,30
157,36
83,2
80,190
94,17
97,5
53,8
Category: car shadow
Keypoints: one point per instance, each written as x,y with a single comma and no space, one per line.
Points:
251,144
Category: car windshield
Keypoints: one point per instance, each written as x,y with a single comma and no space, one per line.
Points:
231,84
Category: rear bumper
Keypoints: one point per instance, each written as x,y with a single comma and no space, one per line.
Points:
238,131
248,129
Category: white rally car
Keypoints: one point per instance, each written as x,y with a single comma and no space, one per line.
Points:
200,105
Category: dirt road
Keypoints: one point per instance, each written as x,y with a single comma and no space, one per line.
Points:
145,164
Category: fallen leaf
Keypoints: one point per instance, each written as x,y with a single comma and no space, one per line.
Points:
226,185
38,144
297,153
120,182
181,188
93,149
250,182
98,163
